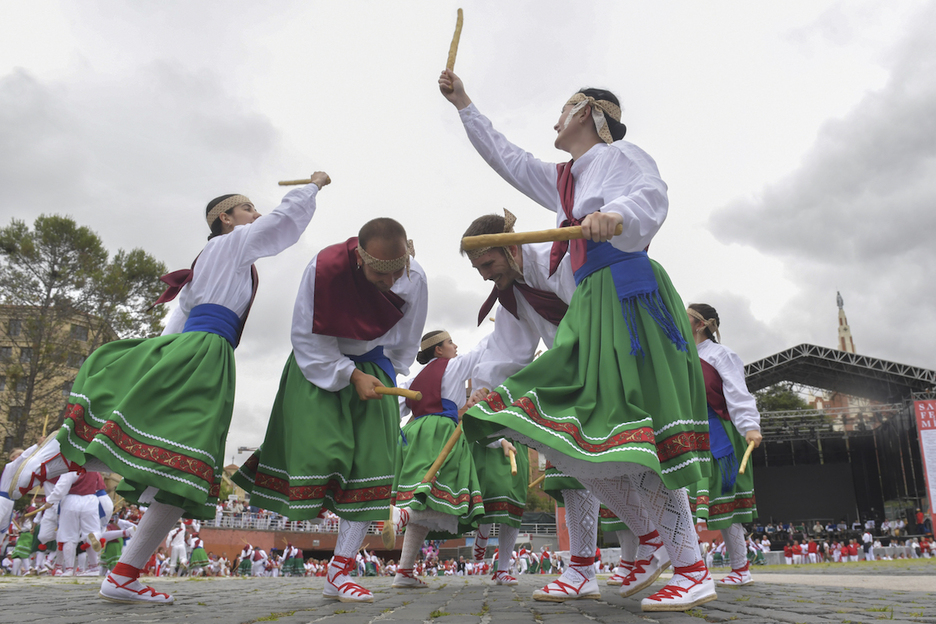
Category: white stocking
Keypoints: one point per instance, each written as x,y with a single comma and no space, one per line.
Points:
155,525
350,537
666,510
93,559
582,520
17,563
629,542
734,544
481,539
412,542
506,540
68,555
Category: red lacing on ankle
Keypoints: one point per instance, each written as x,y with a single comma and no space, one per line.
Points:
582,561
141,592
747,567
123,569
670,592
344,565
649,537
503,576
407,572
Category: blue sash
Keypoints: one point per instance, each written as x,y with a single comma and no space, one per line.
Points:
376,355
722,450
450,411
214,319
636,285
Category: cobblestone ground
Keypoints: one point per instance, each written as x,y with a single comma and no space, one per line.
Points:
852,593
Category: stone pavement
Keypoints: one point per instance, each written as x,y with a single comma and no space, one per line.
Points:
476,600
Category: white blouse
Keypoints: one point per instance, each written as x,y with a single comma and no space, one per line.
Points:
619,178
323,359
512,344
222,273
456,374
742,407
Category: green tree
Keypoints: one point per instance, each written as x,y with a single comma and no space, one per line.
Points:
63,296
779,397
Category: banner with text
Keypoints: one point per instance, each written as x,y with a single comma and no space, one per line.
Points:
926,430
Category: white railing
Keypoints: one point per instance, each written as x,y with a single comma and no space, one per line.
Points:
253,521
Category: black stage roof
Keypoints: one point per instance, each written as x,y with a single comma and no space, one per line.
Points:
839,371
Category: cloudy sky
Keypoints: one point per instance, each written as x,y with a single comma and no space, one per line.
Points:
798,140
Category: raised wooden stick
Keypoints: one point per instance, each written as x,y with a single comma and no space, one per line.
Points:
298,182
538,480
430,475
403,392
513,462
453,49
747,456
519,238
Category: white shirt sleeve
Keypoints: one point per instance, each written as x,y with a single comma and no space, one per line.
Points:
742,407
62,487
639,195
507,349
526,173
402,354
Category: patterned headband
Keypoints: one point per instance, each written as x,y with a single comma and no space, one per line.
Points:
509,221
389,266
224,206
599,108
710,324
434,340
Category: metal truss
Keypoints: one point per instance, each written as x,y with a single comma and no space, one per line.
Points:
839,371
811,424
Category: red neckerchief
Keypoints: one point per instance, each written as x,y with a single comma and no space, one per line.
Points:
546,304
566,187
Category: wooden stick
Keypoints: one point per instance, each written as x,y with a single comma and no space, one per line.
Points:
388,534
403,392
513,462
35,511
430,475
301,181
453,49
519,238
747,456
45,425
538,480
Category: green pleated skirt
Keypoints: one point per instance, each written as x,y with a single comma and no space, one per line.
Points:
455,490
589,399
720,509
504,494
325,450
156,411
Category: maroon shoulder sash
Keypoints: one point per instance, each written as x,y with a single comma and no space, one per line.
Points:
429,383
547,304
346,305
714,393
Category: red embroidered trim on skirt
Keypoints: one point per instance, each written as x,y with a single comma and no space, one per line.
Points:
317,492
725,508
134,447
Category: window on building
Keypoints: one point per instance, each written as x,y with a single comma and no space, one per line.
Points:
75,360
79,332
66,388
21,384
6,354
26,355
2,383
16,413
15,327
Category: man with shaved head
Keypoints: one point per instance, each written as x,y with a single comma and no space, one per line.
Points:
331,438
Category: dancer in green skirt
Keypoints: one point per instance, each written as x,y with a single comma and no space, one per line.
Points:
331,440
618,402
157,411
734,422
450,501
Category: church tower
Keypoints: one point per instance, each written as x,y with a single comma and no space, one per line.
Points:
846,343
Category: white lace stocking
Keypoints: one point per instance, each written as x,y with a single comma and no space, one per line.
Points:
506,540
734,544
582,521
156,523
412,543
350,537
481,540
667,510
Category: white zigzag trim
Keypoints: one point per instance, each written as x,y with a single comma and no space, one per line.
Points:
286,502
691,460
146,435
683,421
440,485
173,443
512,500
138,467
328,476
449,505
